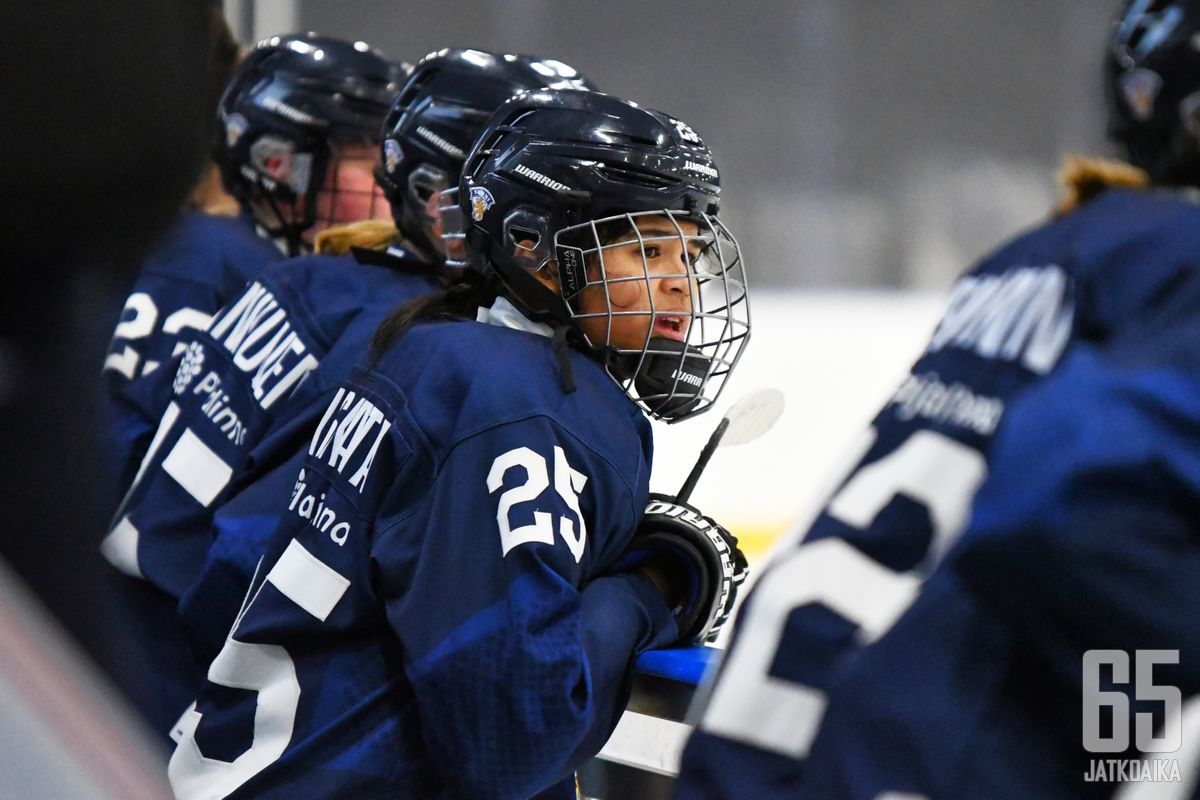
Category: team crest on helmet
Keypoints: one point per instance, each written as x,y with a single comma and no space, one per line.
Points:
481,201
392,155
235,126
1140,88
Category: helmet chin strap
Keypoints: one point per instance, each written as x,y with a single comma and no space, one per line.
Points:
667,377
283,232
560,345
416,234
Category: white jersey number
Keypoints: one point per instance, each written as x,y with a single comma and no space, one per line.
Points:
752,706
266,669
568,483
124,358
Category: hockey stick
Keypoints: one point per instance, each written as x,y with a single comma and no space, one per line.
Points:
746,420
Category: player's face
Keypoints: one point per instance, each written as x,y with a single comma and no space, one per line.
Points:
349,192
646,284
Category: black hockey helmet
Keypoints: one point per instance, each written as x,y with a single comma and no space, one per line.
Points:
1152,77
435,119
292,101
560,180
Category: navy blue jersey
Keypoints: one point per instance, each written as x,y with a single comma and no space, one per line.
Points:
200,265
432,616
1105,271
259,367
1085,537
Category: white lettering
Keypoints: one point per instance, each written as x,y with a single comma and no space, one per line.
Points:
281,361
1024,314
359,478
215,406
534,175
687,377
339,437
440,143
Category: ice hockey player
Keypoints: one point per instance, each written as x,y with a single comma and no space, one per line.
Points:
250,384
297,132
462,573
888,653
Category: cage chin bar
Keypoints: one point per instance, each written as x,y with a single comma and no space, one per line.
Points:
662,296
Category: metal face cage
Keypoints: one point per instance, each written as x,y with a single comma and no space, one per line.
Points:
297,191
663,294
454,229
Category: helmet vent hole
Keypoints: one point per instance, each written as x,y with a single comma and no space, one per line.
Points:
525,239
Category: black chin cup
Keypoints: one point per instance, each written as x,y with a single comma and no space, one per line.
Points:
671,378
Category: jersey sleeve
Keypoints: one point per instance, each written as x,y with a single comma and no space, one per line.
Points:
231,380
158,315
517,655
1084,535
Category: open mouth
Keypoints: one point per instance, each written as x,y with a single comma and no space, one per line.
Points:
671,326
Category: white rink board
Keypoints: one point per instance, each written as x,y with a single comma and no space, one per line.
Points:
837,356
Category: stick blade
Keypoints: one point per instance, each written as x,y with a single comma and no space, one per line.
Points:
752,416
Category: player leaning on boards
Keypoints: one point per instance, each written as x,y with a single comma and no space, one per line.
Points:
248,388
886,652
293,130
454,595
294,144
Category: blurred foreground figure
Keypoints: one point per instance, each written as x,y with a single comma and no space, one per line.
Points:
888,653
101,149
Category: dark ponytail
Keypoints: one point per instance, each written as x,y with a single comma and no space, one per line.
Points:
461,295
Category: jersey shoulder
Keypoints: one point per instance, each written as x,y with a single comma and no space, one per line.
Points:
1126,252
461,378
330,291
223,252
1136,444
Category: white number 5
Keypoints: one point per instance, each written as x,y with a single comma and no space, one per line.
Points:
568,483
263,668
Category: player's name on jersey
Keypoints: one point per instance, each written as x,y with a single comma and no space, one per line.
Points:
344,441
1024,314
257,331
927,397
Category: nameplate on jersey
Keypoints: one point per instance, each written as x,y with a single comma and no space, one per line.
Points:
256,331
1024,314
349,436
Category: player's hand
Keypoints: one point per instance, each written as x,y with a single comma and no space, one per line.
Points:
694,562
